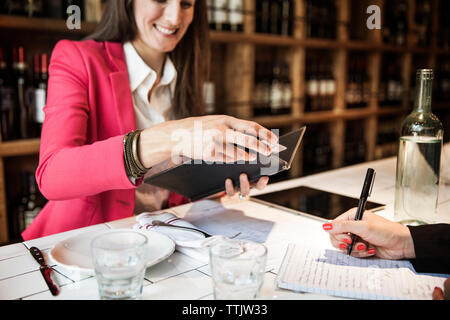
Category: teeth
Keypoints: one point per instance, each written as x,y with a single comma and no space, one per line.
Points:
164,30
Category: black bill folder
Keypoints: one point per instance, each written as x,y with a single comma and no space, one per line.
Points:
199,179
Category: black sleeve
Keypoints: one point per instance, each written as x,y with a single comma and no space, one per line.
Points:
432,247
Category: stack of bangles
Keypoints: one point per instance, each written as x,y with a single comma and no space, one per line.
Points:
133,164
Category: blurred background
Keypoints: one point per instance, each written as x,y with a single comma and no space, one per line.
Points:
282,63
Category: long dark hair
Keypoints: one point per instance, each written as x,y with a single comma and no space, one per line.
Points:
191,56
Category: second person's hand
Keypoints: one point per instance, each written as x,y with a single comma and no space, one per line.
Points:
375,236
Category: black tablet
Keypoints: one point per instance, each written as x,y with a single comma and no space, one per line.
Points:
319,203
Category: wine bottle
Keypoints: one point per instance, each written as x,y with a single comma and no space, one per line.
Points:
34,204
7,100
15,7
265,16
22,113
221,16
211,14
236,15
209,97
418,160
312,88
274,17
276,90
286,17
34,8
330,87
287,89
40,94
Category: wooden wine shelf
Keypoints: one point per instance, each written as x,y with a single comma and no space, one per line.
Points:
43,25
59,26
19,147
235,76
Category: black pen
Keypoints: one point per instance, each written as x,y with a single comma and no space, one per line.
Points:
365,193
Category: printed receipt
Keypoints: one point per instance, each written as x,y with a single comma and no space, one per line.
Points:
330,272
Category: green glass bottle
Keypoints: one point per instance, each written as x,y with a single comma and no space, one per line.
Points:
418,161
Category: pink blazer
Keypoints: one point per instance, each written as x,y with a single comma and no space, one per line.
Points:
89,110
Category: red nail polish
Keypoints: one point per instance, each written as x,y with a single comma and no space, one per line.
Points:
360,247
347,241
343,246
371,251
327,226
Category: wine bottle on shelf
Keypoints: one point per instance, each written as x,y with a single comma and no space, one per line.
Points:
312,88
332,20
263,81
40,93
54,9
365,87
221,15
330,87
34,201
444,24
443,81
401,25
394,88
263,16
209,97
352,94
211,12
276,90
14,7
7,100
311,28
236,15
422,19
322,84
382,88
34,8
286,10
287,89
258,91
22,202
22,114
274,17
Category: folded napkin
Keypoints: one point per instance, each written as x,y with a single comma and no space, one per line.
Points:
191,243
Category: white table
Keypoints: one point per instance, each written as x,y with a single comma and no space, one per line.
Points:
182,277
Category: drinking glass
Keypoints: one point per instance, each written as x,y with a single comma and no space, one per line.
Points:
119,259
237,268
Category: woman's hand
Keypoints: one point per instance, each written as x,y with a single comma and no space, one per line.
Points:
439,294
244,185
209,138
376,236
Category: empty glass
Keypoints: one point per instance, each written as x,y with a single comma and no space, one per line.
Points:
237,268
119,259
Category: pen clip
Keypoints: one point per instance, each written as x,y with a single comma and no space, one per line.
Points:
371,185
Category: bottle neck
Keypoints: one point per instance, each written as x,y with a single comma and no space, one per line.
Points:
423,95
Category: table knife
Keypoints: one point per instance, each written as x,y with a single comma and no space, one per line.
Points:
45,270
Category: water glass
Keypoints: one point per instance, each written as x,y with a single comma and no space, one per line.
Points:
119,259
237,268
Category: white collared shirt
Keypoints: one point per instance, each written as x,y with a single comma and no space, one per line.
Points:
142,78
148,113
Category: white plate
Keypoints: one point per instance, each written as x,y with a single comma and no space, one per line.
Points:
75,253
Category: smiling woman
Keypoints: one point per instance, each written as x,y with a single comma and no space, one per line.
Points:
115,102
135,20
